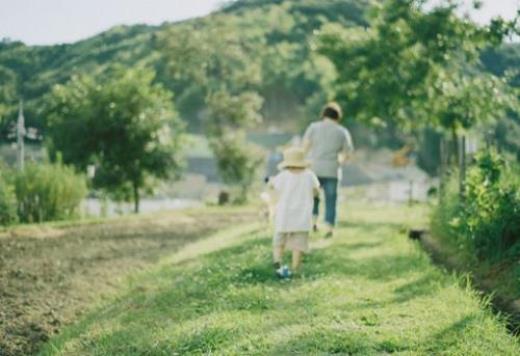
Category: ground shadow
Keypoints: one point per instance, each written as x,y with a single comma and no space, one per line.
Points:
426,285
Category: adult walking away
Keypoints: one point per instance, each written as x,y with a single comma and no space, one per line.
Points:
328,145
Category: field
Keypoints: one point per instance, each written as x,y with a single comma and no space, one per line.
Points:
368,291
50,274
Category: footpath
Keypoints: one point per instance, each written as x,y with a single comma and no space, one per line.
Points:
368,291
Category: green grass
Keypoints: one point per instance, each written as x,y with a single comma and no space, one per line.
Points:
369,291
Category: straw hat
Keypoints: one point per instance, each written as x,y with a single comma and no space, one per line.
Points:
294,157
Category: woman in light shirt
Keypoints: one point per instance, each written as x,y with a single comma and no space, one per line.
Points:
328,145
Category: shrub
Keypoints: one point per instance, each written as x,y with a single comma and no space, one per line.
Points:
487,222
8,214
238,163
47,192
492,209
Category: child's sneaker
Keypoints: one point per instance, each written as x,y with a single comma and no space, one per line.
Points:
283,272
329,235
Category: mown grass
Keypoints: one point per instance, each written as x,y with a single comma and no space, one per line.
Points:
368,291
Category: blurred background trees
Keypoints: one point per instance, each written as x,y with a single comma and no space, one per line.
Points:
407,75
122,124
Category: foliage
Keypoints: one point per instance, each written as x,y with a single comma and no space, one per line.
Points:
267,47
487,221
411,62
219,296
505,61
463,101
7,98
122,123
48,192
416,70
506,133
8,213
272,34
227,75
237,162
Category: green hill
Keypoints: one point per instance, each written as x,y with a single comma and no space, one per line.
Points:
274,35
30,71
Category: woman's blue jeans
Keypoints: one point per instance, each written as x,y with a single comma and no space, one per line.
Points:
330,188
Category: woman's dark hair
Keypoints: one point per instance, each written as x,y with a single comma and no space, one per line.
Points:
332,111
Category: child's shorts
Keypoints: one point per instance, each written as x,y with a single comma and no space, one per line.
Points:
294,241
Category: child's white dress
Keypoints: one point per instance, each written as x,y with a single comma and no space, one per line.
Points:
293,212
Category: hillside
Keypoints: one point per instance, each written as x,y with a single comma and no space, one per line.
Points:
273,36
30,71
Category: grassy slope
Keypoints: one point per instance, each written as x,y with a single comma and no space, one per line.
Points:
369,291
501,277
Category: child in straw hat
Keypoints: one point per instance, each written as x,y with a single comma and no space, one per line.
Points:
295,187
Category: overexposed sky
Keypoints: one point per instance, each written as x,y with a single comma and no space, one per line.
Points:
61,21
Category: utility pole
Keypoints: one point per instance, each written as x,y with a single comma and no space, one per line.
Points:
20,135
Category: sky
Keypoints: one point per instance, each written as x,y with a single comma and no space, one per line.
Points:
43,22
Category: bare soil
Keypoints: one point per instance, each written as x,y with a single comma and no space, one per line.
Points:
50,275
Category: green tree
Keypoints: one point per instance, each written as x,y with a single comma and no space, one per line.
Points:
387,72
123,123
228,116
8,99
227,73
414,68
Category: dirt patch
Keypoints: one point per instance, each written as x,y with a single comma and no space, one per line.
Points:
49,276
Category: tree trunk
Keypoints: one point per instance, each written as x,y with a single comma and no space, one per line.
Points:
443,166
136,198
462,167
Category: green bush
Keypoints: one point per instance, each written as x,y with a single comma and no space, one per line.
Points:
48,192
492,209
8,214
487,221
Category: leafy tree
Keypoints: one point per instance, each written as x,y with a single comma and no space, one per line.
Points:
270,51
414,68
228,115
122,123
272,35
227,74
463,101
386,72
8,99
505,62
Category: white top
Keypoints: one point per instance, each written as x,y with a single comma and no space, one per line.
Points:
327,139
295,196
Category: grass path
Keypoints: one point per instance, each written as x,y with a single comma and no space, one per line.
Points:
369,291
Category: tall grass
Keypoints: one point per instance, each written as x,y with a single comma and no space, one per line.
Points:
47,192
7,200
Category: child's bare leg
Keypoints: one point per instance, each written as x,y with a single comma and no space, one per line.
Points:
278,255
296,260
